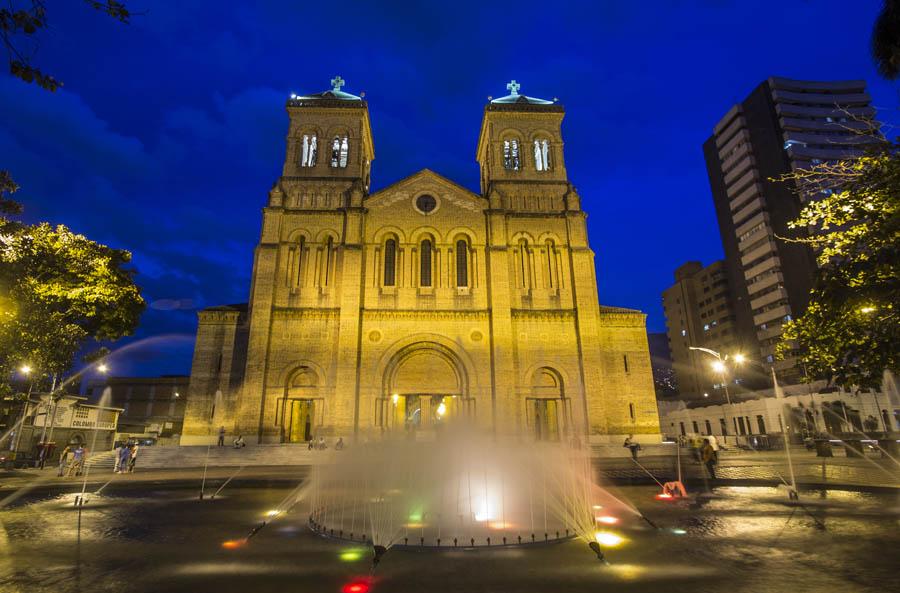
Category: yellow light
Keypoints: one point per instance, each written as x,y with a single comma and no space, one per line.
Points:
718,366
441,409
352,554
867,309
607,539
598,506
102,368
607,520
272,513
26,370
233,544
740,358
395,398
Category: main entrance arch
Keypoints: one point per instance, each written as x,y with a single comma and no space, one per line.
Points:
425,385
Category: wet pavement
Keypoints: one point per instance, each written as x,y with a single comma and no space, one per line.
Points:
157,536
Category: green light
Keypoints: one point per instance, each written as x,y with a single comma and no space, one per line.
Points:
415,517
352,554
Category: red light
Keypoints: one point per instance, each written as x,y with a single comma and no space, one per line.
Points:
357,587
664,496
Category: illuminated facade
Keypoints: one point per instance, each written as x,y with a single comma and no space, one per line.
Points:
423,302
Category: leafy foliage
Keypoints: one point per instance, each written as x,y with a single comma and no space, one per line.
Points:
850,332
59,290
886,40
19,28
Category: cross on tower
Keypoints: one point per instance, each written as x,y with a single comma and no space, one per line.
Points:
513,87
336,83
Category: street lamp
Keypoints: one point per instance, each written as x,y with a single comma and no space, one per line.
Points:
25,369
102,368
720,366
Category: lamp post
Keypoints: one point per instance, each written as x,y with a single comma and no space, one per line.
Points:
720,366
101,368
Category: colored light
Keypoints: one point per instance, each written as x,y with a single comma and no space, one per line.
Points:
395,398
718,366
272,513
607,520
415,517
356,587
25,369
664,496
598,506
740,358
351,554
607,539
234,544
441,409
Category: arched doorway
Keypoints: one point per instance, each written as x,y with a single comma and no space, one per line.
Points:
299,412
425,387
546,408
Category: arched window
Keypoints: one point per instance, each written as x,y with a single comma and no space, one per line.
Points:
295,263
511,154
390,262
425,263
308,151
523,263
340,149
462,263
329,256
542,155
550,260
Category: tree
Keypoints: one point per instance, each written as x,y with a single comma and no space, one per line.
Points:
886,40
19,28
58,292
850,333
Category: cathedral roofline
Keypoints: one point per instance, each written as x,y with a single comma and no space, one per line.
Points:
421,172
239,307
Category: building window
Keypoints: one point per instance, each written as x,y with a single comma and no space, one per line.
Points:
542,155
462,263
625,360
551,261
329,256
390,262
761,424
681,426
511,154
425,263
308,151
631,411
708,427
723,427
696,428
523,264
295,263
340,149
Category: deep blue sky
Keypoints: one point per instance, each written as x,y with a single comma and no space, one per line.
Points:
170,131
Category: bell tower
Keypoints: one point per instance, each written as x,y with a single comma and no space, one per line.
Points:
329,137
521,141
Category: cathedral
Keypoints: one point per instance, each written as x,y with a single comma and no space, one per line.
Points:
422,303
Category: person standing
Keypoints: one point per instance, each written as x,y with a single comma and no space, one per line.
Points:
708,457
632,446
221,442
117,457
133,458
63,462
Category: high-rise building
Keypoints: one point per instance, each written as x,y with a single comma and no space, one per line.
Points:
782,126
700,313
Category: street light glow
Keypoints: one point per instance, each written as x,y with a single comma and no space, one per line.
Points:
867,309
740,358
102,368
25,369
718,366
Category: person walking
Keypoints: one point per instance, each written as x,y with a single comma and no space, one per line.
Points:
632,446
124,457
63,462
133,458
117,457
708,457
77,461
221,442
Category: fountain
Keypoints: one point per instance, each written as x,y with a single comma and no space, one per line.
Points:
463,489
